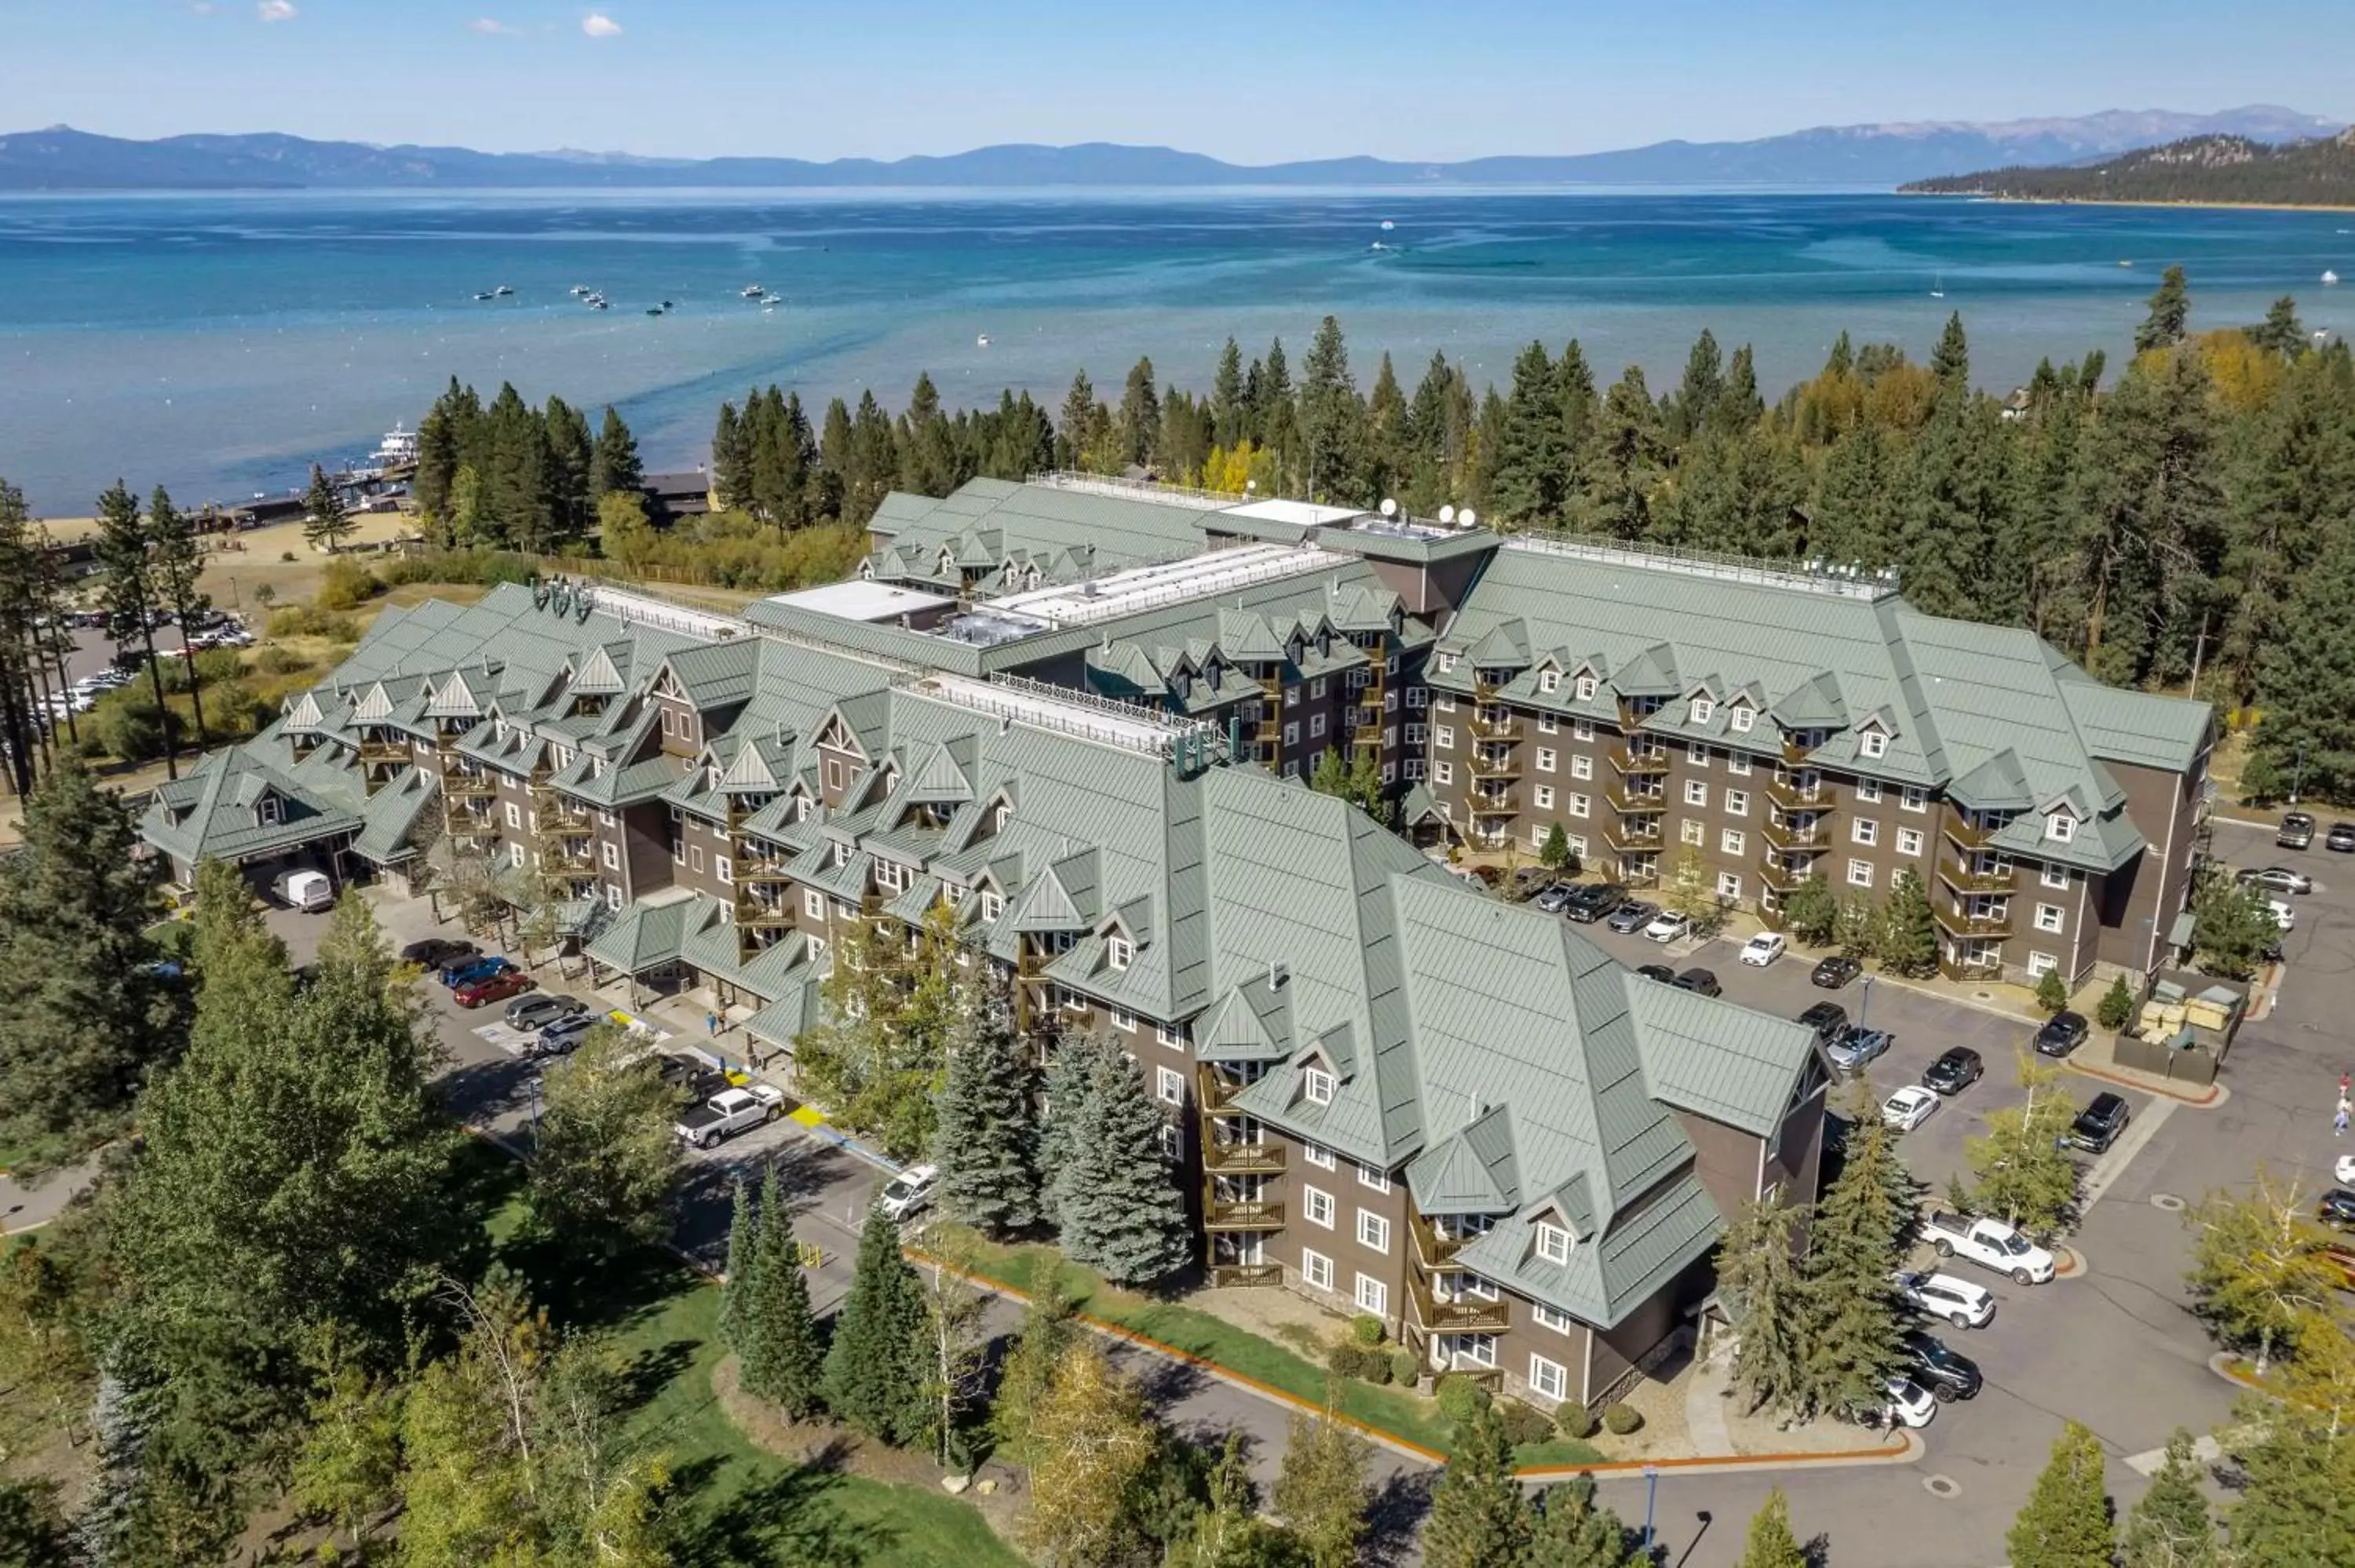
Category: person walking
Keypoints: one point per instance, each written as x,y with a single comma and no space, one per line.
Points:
2339,1122
712,1028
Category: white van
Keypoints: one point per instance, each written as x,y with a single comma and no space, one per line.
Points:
308,890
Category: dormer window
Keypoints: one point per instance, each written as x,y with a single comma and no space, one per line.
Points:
1872,743
1741,719
1120,952
1553,1241
1549,679
992,905
1446,662
1586,688
712,774
1003,815
267,811
1317,1085
802,810
841,855
2060,827
1701,708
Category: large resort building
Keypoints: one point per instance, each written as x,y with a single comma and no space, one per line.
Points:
1073,720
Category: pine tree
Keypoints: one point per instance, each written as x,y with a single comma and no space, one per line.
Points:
779,1352
613,464
875,1370
177,561
570,452
1064,1099
2307,676
1771,1542
731,460
1230,416
126,576
1530,470
2066,1523
736,1286
1574,1530
518,490
1332,418
985,1145
1908,938
1138,422
1045,1332
1693,407
1759,1276
325,523
1116,1197
2170,310
2295,1511
1477,1518
2281,333
1811,911
1629,457
2170,1526
1322,1491
1854,1329
1555,854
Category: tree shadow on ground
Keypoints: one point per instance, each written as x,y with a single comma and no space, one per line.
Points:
652,1369
595,1288
785,1519
1394,1519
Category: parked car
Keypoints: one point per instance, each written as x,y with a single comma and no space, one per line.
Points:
1957,1069
1592,903
1947,1374
1909,1108
492,988
2341,838
1700,980
307,890
730,1112
437,952
1987,1241
1827,1019
909,1190
1660,973
560,1038
2063,1033
1764,948
2284,916
1667,926
540,1010
1632,917
1959,1301
1554,900
467,971
1833,972
2337,1209
2098,1125
2345,1170
2276,879
1856,1048
2296,831
1908,1405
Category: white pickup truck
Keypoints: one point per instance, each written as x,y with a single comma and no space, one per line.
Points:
730,1112
1990,1241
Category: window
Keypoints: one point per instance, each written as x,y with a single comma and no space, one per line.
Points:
720,866
1737,803
1692,832
1868,791
1582,767
1373,1231
1416,734
1372,1176
1909,841
605,818
1292,696
695,856
1729,841
1537,836
1859,873
1729,885
2054,876
1914,799
2041,964
1585,688
1323,1159
1442,771
1317,688
1123,1020
1317,1085
678,852
1443,736
1316,1268
1865,831
1548,1379
1872,743
1737,764
266,813
612,896
1292,733
1578,846
1543,796
1169,1087
1546,1317
1696,792
1701,710
2048,916
1553,1241
812,903
1119,952
2060,827
1417,697
1317,1204
1741,717
612,857
1173,1141
1545,760
514,856
992,904
1172,1034
1581,729
1580,805
1445,702
1373,1296
1414,770
1696,754
1316,726
1547,725
515,815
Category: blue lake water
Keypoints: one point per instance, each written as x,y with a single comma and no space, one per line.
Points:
221,342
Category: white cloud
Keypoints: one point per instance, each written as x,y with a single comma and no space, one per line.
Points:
275,10
493,26
204,7
597,25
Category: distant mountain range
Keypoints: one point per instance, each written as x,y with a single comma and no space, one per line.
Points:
2318,173
1875,156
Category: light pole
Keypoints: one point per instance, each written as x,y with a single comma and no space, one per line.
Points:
1651,1494
2298,773
1864,1003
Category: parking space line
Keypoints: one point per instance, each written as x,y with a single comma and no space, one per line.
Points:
2112,1165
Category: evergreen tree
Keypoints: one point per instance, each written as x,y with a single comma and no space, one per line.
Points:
1530,470
517,487
1758,1274
2292,497
1950,362
1574,1530
2170,1528
1908,943
1555,854
928,463
985,1145
1332,418
175,560
569,450
1771,1542
1064,1100
126,576
2066,1523
1811,911
1084,432
1477,1518
782,1355
1138,423
2295,1513
876,1368
613,464
736,1289
1230,416
731,460
604,1159
1693,407
1855,1329
2281,333
325,523
1114,1196
2170,310
1740,407
1629,457
2307,682
1047,1331
1322,1491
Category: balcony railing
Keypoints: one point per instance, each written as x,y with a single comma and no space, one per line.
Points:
1492,805
1366,735
1793,752
763,868
1782,878
1792,797
384,751
1464,1315
1227,1273
1503,726
569,827
1971,968
1499,765
1243,1159
1627,760
1628,840
469,787
1485,690
759,913
1240,1214
1965,924
1432,1249
1968,835
1968,879
1785,835
1620,797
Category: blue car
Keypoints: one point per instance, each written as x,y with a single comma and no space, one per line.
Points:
472,970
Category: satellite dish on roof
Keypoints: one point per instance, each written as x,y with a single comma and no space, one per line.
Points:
1447,513
1467,517
1390,507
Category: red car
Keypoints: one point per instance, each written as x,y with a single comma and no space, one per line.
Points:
497,988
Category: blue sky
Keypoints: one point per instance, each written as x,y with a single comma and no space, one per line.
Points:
1266,82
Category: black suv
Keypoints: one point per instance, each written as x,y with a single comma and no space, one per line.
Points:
1947,1374
1834,972
2296,831
1827,1019
436,952
2098,1125
1701,981
2337,1209
2342,838
1588,905
2063,1033
1955,1070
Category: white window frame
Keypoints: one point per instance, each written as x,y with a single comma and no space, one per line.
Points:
1701,710
1553,1241
1373,1296
1545,760
1373,1231
1542,797
1170,1034
1730,841
1692,831
1122,1018
1696,792
1909,841
1859,873
2054,876
1865,830
2041,964
1729,885
1119,952
612,856
1317,1086
813,904
1581,805
1316,1269
2051,917
1582,766
1547,725
1442,771
1737,803
1373,1177
1868,791
1585,688
2061,828
1741,717
1548,681
1169,1087
1872,743
1545,1317
720,867
1696,753
1443,736
514,816
1737,763
1548,1379
1316,1206
1913,797
1322,1158
1581,729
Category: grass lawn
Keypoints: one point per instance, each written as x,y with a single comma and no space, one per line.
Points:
1213,1340
743,1506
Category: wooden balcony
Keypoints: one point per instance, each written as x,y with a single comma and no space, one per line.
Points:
1245,1214
566,826
1963,878
762,867
1467,1315
1232,1273
1637,763
1491,805
1242,1159
1503,726
1789,795
1961,923
1785,835
1620,797
759,914
380,751
1270,733
469,787
1793,752
1366,735
1498,765
1964,835
1638,839
1484,689
1783,878
1963,969
1431,1250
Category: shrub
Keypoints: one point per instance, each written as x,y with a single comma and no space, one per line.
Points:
286,556
299,620
1347,1359
2117,1010
1374,1366
1621,1419
131,726
346,584
1460,1398
1523,1425
1577,1422
486,566
2051,994
1366,1329
1406,1368
280,661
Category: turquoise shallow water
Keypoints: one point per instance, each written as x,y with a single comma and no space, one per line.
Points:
220,343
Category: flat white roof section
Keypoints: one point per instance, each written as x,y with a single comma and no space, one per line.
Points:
1017,700
644,609
1172,582
858,600
1307,514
